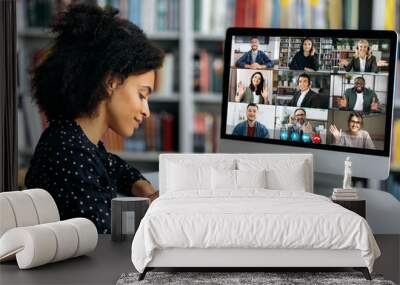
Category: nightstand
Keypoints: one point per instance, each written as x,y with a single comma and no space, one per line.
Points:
126,214
357,206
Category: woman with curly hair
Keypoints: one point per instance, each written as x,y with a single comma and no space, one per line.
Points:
98,75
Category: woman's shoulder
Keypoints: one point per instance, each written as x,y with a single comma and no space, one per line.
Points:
364,133
63,135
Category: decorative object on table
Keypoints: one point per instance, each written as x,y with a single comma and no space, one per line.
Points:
31,231
243,278
347,174
126,214
347,192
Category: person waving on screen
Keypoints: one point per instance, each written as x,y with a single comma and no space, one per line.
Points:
256,92
360,98
355,136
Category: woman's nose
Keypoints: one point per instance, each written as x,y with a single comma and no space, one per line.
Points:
145,109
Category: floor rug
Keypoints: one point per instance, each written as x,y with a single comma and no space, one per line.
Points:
242,278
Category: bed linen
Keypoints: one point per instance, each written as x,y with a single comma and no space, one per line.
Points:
250,218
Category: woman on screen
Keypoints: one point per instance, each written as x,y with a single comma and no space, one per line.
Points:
305,59
362,61
355,136
98,75
256,92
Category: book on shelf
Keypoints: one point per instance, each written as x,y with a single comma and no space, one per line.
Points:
156,133
208,72
212,16
165,77
151,15
346,14
206,132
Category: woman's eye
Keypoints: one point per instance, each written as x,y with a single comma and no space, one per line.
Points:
142,97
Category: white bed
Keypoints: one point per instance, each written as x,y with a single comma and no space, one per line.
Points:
236,210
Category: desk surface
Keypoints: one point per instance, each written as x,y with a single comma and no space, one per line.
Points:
102,266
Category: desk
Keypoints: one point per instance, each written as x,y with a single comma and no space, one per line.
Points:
102,266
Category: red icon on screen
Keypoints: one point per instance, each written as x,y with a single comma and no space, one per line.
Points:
316,138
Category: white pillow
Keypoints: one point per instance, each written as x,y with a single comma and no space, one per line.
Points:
251,178
282,179
182,177
291,175
224,179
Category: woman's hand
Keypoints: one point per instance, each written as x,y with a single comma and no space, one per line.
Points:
335,132
308,69
142,188
265,95
374,105
240,93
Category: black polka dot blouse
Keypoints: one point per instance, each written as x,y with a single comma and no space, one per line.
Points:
81,177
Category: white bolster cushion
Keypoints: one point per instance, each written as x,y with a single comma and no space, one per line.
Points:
40,244
24,211
26,208
45,205
7,218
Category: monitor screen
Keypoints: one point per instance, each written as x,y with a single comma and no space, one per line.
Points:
318,89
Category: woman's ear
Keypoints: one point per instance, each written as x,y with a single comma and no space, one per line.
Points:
111,83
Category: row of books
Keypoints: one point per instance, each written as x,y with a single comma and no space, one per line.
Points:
322,14
216,16
345,194
151,15
213,16
208,72
206,132
157,133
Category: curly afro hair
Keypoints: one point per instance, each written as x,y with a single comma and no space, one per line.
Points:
91,44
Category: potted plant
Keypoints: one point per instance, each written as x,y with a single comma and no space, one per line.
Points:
348,77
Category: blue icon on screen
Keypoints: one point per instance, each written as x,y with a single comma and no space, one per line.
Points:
284,135
295,137
306,138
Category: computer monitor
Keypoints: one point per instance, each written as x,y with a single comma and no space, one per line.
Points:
326,92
